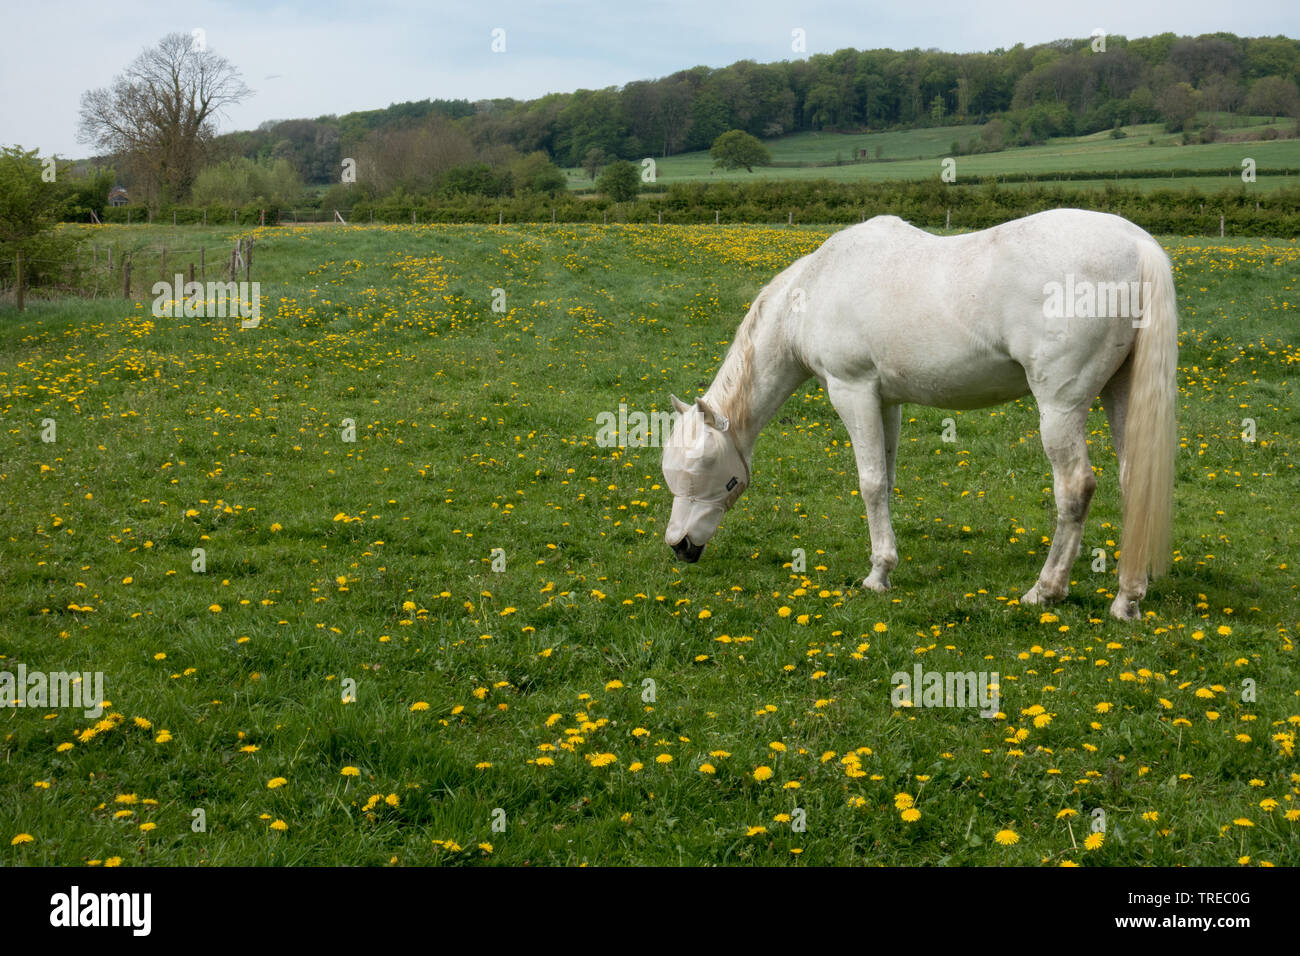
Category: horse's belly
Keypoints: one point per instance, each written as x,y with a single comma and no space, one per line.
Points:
971,384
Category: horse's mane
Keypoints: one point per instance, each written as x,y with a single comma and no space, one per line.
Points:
731,388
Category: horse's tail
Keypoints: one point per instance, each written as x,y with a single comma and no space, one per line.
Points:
1150,432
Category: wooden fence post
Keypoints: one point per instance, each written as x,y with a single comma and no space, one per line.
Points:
126,277
203,264
163,268
18,267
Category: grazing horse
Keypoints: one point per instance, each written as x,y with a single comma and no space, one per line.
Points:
1067,305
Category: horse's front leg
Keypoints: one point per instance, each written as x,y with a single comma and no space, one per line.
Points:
874,433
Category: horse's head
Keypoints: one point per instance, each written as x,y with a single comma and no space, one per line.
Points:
705,471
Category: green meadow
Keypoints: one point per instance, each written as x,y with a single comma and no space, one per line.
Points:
364,588
917,154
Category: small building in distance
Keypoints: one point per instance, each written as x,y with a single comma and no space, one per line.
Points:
117,196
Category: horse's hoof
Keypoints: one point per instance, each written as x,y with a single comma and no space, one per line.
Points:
878,586
1125,609
1032,596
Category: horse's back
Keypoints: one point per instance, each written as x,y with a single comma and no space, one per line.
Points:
964,321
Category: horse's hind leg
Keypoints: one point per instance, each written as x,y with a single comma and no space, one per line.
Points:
1114,398
1064,440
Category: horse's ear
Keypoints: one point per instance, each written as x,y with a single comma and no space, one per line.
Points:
713,418
678,405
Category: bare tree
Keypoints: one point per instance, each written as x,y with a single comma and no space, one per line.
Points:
413,157
159,116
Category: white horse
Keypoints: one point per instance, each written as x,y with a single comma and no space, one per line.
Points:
884,313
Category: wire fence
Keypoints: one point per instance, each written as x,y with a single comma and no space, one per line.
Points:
142,260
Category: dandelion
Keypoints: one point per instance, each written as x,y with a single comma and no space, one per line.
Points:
1094,841
275,783
350,772
763,773
1007,837
22,838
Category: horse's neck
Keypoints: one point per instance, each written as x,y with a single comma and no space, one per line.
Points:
750,399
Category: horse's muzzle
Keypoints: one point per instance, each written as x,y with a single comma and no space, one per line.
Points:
687,551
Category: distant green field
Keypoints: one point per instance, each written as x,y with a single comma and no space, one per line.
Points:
916,154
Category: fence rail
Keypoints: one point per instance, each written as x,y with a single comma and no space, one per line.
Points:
239,258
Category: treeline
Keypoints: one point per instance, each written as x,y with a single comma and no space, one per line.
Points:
924,203
1062,88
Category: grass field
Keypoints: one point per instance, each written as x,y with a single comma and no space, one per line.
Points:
502,714
916,154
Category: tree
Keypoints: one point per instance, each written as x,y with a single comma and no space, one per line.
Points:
31,205
535,173
620,181
1273,96
593,161
1178,103
160,115
239,181
992,134
736,148
412,157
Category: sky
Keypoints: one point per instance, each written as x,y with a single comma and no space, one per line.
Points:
336,56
